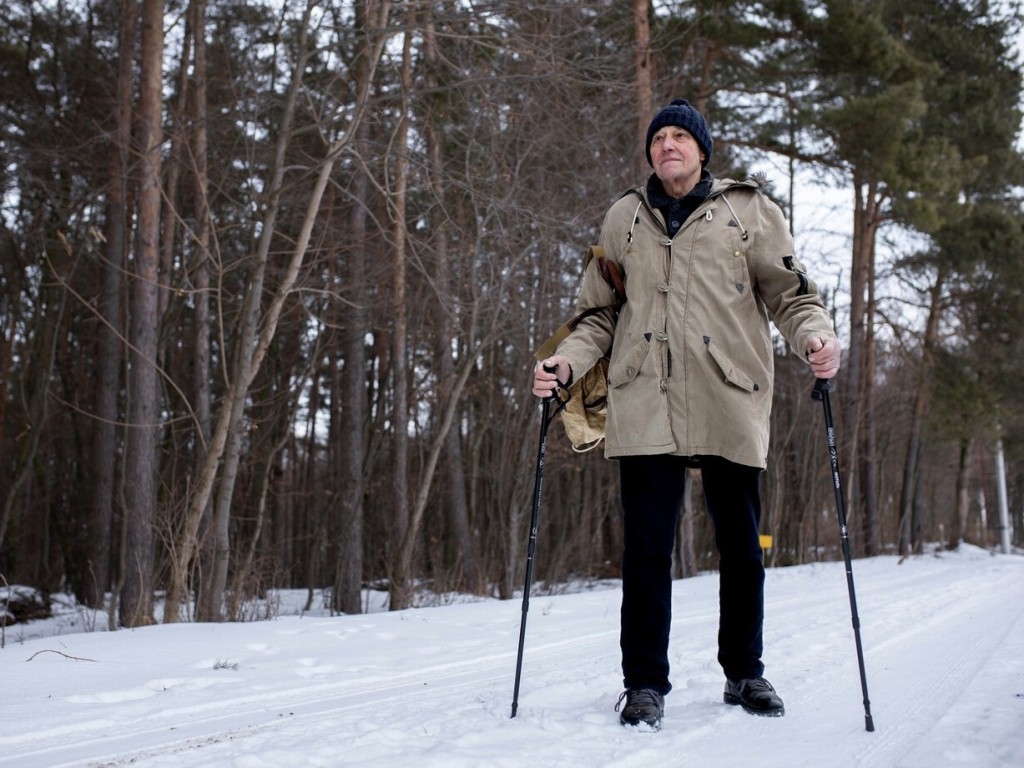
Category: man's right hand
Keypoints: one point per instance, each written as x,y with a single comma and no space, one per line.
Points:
545,383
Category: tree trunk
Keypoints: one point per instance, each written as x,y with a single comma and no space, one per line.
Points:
349,501
225,438
464,542
963,491
685,554
110,331
47,325
853,369
194,104
869,458
201,385
858,360
258,329
909,504
400,584
643,66
143,386
350,438
177,137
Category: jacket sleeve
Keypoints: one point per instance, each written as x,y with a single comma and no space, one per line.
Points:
790,296
592,338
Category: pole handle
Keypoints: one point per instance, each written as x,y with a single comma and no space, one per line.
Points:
551,369
821,388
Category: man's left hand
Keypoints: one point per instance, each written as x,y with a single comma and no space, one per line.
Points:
823,354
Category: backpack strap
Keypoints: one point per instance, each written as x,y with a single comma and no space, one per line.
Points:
612,276
609,272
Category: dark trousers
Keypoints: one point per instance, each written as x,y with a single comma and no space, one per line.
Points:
652,489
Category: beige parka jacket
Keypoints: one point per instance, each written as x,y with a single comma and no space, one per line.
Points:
692,364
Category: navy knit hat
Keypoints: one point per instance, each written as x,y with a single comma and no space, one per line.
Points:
680,112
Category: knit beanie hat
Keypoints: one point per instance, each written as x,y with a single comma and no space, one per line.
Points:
681,113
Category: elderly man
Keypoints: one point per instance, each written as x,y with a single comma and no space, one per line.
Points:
707,263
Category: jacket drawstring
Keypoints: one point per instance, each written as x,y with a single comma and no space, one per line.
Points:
743,230
744,234
636,218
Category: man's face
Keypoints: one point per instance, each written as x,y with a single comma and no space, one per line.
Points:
677,159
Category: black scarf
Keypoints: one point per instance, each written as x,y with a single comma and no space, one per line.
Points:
677,210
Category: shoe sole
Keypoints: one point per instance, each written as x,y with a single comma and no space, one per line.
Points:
736,701
642,725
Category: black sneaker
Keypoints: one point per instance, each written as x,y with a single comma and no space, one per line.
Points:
755,695
643,706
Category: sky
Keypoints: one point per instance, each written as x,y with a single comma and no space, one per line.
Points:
943,638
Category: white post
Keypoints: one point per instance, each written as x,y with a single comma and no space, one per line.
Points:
982,518
1004,512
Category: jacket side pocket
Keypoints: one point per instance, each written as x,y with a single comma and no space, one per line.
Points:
627,367
732,374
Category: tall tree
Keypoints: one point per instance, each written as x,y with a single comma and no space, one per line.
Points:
969,132
110,331
141,457
643,69
880,114
523,123
201,390
192,133
404,527
978,367
464,541
348,413
911,528
869,99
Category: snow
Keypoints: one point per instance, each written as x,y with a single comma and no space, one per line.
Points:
943,638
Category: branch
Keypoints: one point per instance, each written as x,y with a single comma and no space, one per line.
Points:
59,653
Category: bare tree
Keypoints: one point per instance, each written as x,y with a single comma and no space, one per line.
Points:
465,543
258,327
311,197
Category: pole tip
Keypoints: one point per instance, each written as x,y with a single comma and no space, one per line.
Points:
869,724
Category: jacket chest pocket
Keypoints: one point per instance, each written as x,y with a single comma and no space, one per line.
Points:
721,251
738,247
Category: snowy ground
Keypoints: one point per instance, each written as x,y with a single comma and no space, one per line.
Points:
943,642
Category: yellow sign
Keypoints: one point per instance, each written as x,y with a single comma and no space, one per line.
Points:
766,541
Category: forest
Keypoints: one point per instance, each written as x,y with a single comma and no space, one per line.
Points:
272,275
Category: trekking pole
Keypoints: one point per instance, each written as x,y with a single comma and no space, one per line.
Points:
545,418
821,390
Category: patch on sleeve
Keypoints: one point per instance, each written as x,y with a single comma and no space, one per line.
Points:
795,267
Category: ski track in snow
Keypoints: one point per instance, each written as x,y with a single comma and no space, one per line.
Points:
943,651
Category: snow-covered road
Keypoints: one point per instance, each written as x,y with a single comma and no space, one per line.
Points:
944,654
